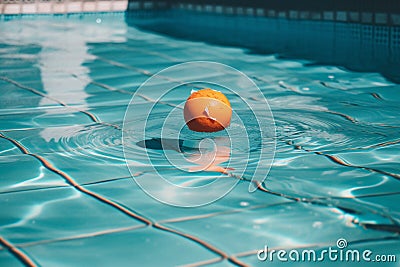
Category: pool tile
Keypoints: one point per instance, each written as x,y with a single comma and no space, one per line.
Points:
383,158
70,138
126,191
103,71
57,213
309,225
337,182
7,148
47,117
91,165
106,96
138,247
15,99
23,172
386,204
301,173
110,113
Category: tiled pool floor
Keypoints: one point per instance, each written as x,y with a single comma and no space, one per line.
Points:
67,197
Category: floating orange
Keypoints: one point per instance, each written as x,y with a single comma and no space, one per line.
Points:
207,110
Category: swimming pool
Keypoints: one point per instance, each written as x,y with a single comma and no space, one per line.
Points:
68,198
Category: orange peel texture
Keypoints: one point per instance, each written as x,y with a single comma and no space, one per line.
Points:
207,110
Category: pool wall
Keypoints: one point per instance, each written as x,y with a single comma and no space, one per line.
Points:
14,7
359,46
361,11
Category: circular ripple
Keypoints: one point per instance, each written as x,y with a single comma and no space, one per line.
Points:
186,168
324,132
99,140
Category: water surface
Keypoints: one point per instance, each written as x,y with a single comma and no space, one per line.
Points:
67,195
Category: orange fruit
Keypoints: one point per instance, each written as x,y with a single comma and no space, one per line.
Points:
207,110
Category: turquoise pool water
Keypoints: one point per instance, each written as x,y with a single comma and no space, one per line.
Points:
68,199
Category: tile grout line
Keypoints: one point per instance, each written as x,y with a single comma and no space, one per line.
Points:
143,71
382,144
129,177
92,117
123,229
73,183
36,92
228,212
316,202
124,210
345,116
341,162
70,150
21,256
81,236
147,52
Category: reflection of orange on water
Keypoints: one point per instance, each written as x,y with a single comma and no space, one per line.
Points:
207,110
210,161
